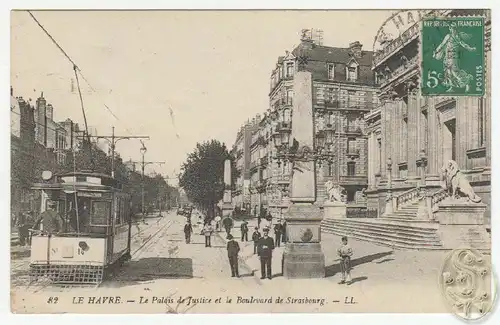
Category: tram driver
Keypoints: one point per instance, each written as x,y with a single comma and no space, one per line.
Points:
51,221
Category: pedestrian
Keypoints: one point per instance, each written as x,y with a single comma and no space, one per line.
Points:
277,234
233,248
345,253
207,231
244,231
265,251
188,230
22,228
255,237
283,231
228,224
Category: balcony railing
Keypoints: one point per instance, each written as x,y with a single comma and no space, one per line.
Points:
284,178
353,129
353,152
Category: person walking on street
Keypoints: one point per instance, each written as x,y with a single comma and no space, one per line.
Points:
255,237
265,251
277,234
188,230
283,231
228,224
233,248
345,253
23,228
207,231
244,231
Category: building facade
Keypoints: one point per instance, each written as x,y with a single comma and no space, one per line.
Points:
411,136
343,89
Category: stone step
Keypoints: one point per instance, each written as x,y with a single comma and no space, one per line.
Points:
383,242
387,234
405,213
410,208
385,230
411,225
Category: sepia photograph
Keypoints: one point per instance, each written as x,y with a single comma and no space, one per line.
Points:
250,161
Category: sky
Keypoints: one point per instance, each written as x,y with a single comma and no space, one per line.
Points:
211,68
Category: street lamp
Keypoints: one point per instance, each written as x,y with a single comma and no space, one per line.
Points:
143,152
388,207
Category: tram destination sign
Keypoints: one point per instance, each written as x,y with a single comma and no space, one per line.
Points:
89,194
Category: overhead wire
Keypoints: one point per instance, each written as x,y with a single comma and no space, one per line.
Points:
75,66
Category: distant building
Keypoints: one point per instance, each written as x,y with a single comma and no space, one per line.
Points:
342,90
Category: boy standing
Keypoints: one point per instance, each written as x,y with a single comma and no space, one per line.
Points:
345,253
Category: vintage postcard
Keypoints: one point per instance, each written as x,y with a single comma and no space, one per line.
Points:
251,161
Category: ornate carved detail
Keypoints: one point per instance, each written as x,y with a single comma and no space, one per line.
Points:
466,283
306,235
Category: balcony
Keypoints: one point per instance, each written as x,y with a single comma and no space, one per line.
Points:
284,127
352,153
353,180
354,130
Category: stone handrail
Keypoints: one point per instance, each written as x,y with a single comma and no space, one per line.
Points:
407,196
437,197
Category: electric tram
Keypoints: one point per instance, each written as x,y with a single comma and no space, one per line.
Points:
95,228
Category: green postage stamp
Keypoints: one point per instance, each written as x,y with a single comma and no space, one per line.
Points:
453,56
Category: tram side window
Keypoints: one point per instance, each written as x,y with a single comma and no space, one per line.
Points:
101,213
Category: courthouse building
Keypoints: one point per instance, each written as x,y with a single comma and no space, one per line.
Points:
411,136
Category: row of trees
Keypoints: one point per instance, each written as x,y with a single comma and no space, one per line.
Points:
157,193
202,175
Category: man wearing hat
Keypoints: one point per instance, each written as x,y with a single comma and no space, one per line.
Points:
233,248
265,252
50,220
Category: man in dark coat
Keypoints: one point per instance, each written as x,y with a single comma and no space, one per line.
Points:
283,231
23,228
188,230
228,224
255,237
244,231
50,220
277,234
265,251
233,248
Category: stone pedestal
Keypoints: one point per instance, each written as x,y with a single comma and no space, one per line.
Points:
461,225
303,257
335,210
227,209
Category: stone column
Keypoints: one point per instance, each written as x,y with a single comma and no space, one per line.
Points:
303,256
372,152
412,155
395,128
461,131
227,206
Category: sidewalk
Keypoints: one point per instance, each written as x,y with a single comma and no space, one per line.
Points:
378,263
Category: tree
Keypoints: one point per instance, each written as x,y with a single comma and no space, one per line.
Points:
202,175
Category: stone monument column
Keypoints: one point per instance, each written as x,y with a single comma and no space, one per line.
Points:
227,205
303,257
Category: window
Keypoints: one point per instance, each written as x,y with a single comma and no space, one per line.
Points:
351,168
329,170
100,214
351,146
289,97
118,211
352,74
379,142
331,71
289,69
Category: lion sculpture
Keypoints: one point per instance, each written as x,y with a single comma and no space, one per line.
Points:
333,192
454,180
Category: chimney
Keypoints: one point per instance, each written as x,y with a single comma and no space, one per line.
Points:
355,49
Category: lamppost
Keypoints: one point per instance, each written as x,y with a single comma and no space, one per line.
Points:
143,153
388,206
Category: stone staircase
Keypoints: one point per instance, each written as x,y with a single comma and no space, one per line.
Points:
401,229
